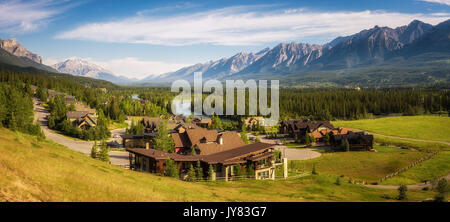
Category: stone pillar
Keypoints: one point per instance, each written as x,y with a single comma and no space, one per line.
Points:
226,173
285,168
272,171
213,176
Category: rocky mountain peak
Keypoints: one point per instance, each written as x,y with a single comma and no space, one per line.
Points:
12,46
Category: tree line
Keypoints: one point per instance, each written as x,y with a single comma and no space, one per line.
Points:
16,109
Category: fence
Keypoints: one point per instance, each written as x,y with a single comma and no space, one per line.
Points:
123,166
409,166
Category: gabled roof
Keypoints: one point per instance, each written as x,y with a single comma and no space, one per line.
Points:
230,140
232,155
307,124
76,114
198,135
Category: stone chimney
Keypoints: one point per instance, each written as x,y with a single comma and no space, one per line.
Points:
220,139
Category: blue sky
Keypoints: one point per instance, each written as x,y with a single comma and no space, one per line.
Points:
140,38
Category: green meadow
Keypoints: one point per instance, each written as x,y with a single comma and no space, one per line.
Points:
418,127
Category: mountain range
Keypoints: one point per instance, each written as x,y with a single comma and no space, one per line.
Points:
79,67
366,48
416,54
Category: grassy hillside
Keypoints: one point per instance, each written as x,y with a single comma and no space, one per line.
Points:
418,127
34,170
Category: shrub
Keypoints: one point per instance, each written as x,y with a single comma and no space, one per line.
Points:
314,172
338,181
442,190
402,189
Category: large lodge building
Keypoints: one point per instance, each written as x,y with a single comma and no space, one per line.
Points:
224,151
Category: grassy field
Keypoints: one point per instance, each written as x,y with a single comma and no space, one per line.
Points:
433,168
362,166
115,125
419,127
40,170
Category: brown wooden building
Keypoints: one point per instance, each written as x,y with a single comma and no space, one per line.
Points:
356,140
259,156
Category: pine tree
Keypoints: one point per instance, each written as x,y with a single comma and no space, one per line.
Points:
103,154
191,174
199,171
171,168
94,150
327,139
216,123
307,139
345,146
250,172
238,171
163,141
210,173
244,134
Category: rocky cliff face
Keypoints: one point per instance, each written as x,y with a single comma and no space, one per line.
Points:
12,46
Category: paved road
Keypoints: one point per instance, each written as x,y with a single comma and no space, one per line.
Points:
291,153
116,157
403,138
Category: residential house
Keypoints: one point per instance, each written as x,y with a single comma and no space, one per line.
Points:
256,121
356,140
298,128
138,141
82,119
204,122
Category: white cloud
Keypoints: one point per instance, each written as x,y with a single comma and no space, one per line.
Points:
129,67
241,26
442,2
17,16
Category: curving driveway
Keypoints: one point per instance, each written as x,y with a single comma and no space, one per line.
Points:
40,114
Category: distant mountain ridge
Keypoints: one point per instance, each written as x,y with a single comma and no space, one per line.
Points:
213,69
366,48
79,67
